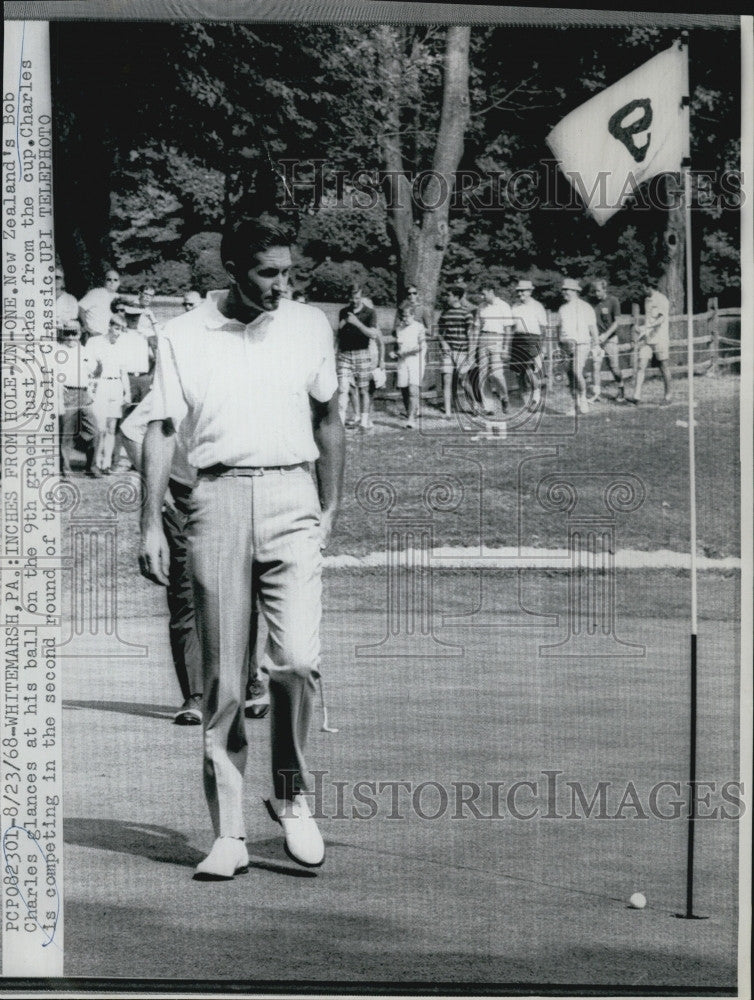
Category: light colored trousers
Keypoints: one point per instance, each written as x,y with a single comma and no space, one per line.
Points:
245,534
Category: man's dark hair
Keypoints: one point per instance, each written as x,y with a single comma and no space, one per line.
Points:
118,303
458,290
244,240
488,285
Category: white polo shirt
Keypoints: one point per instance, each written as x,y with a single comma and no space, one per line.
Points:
577,318
242,391
73,365
494,317
531,316
656,316
134,427
101,351
134,351
94,310
66,309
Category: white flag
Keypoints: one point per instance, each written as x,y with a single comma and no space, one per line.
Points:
627,134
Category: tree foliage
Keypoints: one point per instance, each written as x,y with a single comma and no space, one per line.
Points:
152,118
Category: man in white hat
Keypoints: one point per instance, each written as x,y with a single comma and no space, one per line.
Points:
531,326
578,334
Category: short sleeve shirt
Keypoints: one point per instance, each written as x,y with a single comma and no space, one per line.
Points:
455,326
531,317
576,319
110,356
657,313
244,390
350,337
66,309
410,336
607,311
94,310
495,317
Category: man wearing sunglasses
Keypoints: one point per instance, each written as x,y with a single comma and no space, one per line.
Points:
94,308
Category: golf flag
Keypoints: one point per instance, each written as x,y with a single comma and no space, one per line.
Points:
627,134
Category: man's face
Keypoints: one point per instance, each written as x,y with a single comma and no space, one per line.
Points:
59,282
569,294
453,300
356,297
265,283
524,294
112,281
146,295
191,301
413,294
488,294
600,290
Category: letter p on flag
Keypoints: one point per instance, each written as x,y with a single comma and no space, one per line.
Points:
627,134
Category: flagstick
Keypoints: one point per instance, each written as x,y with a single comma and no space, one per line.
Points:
689,914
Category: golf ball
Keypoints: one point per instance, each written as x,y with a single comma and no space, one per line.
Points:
638,901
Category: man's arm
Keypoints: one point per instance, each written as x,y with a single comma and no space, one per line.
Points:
330,439
157,458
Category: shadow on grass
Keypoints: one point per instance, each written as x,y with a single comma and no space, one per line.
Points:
166,846
125,708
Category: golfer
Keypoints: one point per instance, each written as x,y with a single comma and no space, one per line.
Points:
258,400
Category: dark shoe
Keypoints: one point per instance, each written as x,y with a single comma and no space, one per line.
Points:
95,472
190,712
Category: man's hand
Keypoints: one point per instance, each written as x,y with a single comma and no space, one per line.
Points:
154,555
326,522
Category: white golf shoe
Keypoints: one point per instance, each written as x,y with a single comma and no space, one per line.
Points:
227,858
303,841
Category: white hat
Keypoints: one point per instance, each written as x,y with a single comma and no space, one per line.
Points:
570,284
524,286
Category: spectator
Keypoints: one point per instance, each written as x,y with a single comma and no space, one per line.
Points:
653,337
66,306
531,324
147,325
94,308
191,300
410,336
357,326
455,332
76,420
111,391
607,310
578,334
137,351
494,323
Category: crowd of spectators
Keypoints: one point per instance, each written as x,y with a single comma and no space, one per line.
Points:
480,342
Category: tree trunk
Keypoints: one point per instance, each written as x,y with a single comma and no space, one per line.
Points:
674,246
418,216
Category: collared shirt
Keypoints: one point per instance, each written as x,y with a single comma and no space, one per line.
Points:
77,367
134,427
454,326
577,318
656,315
494,317
531,317
411,336
135,352
607,311
109,355
147,325
94,310
244,389
66,309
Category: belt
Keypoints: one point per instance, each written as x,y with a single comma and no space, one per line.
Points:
249,470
